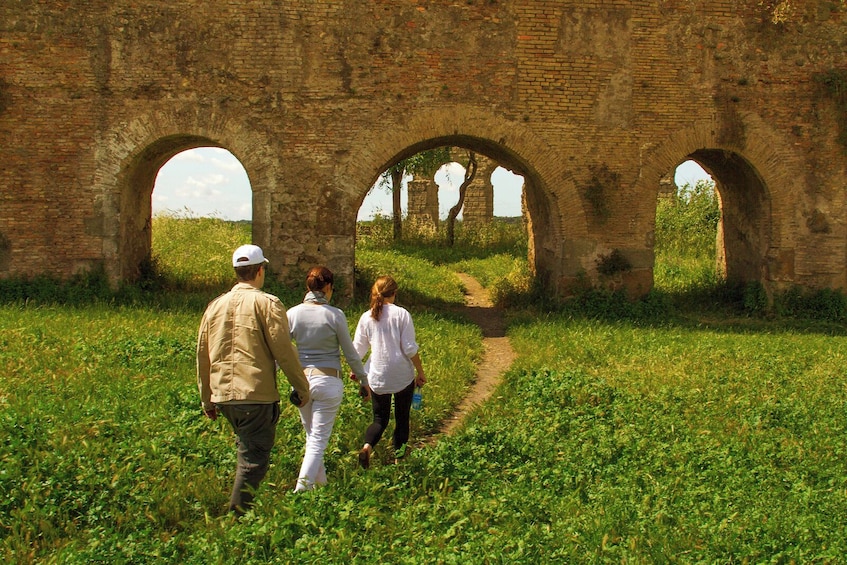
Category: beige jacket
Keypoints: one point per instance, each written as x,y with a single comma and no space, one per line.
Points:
242,334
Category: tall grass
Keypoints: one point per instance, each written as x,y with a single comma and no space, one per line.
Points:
505,237
494,253
686,229
195,252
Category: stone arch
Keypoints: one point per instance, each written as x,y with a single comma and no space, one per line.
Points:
553,203
129,160
754,180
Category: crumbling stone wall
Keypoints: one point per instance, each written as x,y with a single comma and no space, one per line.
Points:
423,202
479,200
592,102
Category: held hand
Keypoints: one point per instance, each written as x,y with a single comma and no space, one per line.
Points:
295,399
365,392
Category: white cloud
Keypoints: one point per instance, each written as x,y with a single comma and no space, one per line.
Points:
193,155
206,181
231,165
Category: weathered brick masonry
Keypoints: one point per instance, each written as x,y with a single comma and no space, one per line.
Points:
593,102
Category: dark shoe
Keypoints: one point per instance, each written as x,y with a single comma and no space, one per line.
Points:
365,458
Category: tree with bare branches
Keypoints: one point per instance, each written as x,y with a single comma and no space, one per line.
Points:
470,173
424,163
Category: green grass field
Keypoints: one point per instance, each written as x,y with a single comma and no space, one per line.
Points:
685,436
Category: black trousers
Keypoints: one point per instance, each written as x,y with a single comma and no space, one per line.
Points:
381,404
255,428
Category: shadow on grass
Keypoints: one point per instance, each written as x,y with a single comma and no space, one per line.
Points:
723,307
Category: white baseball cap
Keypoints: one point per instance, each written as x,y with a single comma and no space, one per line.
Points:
248,255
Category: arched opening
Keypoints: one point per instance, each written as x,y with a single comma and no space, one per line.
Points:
202,209
687,215
200,179
727,201
743,234
516,180
507,193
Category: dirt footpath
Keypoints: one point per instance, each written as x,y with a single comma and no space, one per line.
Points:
498,355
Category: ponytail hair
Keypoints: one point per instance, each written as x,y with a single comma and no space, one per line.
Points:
318,278
384,287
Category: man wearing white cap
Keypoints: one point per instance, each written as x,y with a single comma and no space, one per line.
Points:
243,337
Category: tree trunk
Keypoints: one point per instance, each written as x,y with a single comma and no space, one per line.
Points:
397,212
470,173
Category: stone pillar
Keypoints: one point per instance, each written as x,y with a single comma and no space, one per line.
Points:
423,202
479,200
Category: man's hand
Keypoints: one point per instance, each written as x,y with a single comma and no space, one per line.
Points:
211,413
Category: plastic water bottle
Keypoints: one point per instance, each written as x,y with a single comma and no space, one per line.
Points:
417,399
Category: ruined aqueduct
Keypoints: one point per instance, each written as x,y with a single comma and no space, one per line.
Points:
593,102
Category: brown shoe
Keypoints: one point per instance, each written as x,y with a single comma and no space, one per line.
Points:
365,458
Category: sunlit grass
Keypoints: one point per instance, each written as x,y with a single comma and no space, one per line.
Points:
646,440
196,252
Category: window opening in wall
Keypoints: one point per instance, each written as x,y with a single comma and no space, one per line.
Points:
207,181
508,193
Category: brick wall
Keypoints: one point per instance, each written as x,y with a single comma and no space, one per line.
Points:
592,101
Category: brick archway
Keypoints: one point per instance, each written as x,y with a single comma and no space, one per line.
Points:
754,180
554,214
581,99
128,169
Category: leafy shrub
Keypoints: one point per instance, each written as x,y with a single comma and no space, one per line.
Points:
83,288
687,221
823,304
375,233
517,288
604,304
686,230
755,298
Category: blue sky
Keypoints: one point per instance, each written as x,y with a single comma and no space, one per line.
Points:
210,181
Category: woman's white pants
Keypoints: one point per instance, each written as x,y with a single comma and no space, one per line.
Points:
318,417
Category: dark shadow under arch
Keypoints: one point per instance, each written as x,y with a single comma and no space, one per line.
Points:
744,230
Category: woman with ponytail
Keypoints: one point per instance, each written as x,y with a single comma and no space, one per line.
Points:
394,367
319,330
